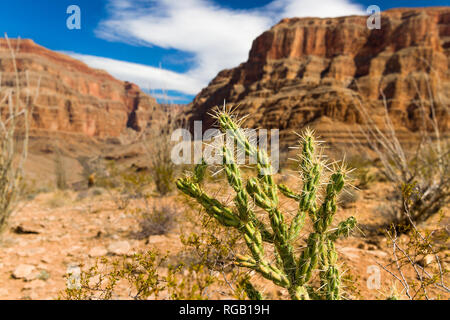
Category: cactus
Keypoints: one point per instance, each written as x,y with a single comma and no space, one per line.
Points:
290,271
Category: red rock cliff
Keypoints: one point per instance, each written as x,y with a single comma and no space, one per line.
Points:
72,96
307,71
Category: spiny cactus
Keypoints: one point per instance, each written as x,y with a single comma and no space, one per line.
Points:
289,271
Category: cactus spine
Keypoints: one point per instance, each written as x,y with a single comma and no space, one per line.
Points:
290,272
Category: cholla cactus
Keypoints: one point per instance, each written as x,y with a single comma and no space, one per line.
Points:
290,271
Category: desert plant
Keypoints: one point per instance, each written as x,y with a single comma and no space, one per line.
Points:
158,146
289,271
158,221
418,252
349,198
425,164
122,185
141,275
14,130
60,170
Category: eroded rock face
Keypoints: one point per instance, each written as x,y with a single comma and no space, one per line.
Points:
318,72
73,97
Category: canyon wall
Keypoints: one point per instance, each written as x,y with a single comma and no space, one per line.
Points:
324,72
72,97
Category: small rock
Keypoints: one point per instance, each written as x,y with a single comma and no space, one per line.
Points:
119,248
156,239
24,271
35,284
45,259
378,253
30,252
425,261
351,253
97,252
25,229
362,246
73,251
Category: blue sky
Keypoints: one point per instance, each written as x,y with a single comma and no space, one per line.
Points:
173,47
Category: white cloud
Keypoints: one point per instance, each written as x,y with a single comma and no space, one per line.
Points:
146,77
314,8
217,37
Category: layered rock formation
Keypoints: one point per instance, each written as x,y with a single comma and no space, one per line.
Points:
74,98
322,72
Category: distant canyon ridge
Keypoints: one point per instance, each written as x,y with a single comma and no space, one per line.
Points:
321,73
74,98
316,72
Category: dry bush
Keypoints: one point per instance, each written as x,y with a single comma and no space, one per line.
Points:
425,165
60,170
15,108
348,198
158,221
419,253
142,277
122,185
158,146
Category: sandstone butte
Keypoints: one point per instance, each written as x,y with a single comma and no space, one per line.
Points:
73,98
321,73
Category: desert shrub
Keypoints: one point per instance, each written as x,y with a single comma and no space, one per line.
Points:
362,173
59,199
141,276
122,185
288,270
60,170
424,164
93,168
418,252
15,105
349,197
214,247
158,221
158,146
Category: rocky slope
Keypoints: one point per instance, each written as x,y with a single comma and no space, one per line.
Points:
320,72
74,98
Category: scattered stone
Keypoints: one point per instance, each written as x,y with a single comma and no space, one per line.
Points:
30,252
25,229
350,253
378,253
425,261
46,259
119,248
24,271
99,234
98,252
362,245
35,284
156,239
73,251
